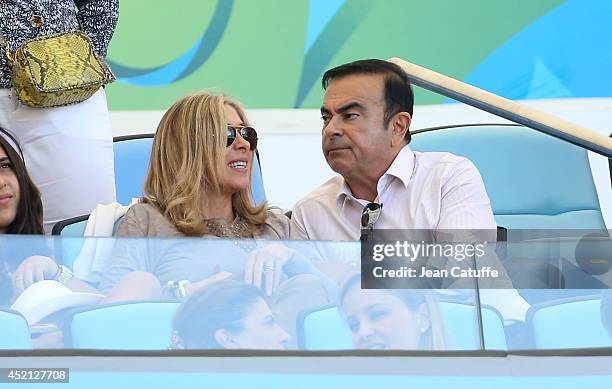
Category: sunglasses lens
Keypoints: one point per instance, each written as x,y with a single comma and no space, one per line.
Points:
251,136
247,133
231,136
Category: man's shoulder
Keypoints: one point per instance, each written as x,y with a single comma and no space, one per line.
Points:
439,158
443,162
323,195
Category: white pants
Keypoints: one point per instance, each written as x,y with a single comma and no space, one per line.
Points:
68,153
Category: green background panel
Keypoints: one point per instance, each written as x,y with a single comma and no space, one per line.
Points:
451,37
260,58
153,33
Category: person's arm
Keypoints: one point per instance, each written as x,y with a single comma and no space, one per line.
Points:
297,230
465,203
129,255
466,209
265,266
38,268
193,287
98,19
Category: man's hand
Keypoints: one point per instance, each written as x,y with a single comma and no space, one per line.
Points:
267,263
33,269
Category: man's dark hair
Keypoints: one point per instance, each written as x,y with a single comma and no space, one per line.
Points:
29,217
398,91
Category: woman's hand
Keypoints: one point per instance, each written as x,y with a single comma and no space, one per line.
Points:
194,286
264,266
33,269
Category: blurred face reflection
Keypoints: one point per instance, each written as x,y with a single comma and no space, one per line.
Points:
259,330
378,320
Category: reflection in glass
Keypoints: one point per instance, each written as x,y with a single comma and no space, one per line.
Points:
606,311
227,315
392,319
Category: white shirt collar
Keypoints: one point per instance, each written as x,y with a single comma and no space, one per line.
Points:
401,168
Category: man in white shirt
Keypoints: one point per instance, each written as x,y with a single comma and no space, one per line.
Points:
366,112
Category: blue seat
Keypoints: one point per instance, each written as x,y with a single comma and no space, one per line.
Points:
14,331
568,323
72,232
126,326
132,154
324,329
534,181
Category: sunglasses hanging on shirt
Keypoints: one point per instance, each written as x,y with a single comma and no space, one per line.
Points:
369,217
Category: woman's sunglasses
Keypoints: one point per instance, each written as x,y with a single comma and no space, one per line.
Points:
247,133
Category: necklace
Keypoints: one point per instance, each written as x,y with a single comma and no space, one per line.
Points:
238,228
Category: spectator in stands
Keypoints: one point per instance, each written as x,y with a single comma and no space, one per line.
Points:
68,150
367,111
227,315
606,311
21,213
20,204
392,319
198,185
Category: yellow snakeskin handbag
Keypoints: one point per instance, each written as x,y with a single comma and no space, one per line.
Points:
57,70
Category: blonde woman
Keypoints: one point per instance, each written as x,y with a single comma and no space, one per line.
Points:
198,186
392,319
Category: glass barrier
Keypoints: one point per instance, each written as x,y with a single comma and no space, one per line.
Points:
195,293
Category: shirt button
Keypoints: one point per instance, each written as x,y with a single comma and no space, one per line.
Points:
37,21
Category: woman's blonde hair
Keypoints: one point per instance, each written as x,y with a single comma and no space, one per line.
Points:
188,161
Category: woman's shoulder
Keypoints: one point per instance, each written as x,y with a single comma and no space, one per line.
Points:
145,219
276,226
143,211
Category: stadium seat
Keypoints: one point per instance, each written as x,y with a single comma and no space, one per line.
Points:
126,326
567,323
14,331
324,328
132,155
72,231
73,227
534,181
